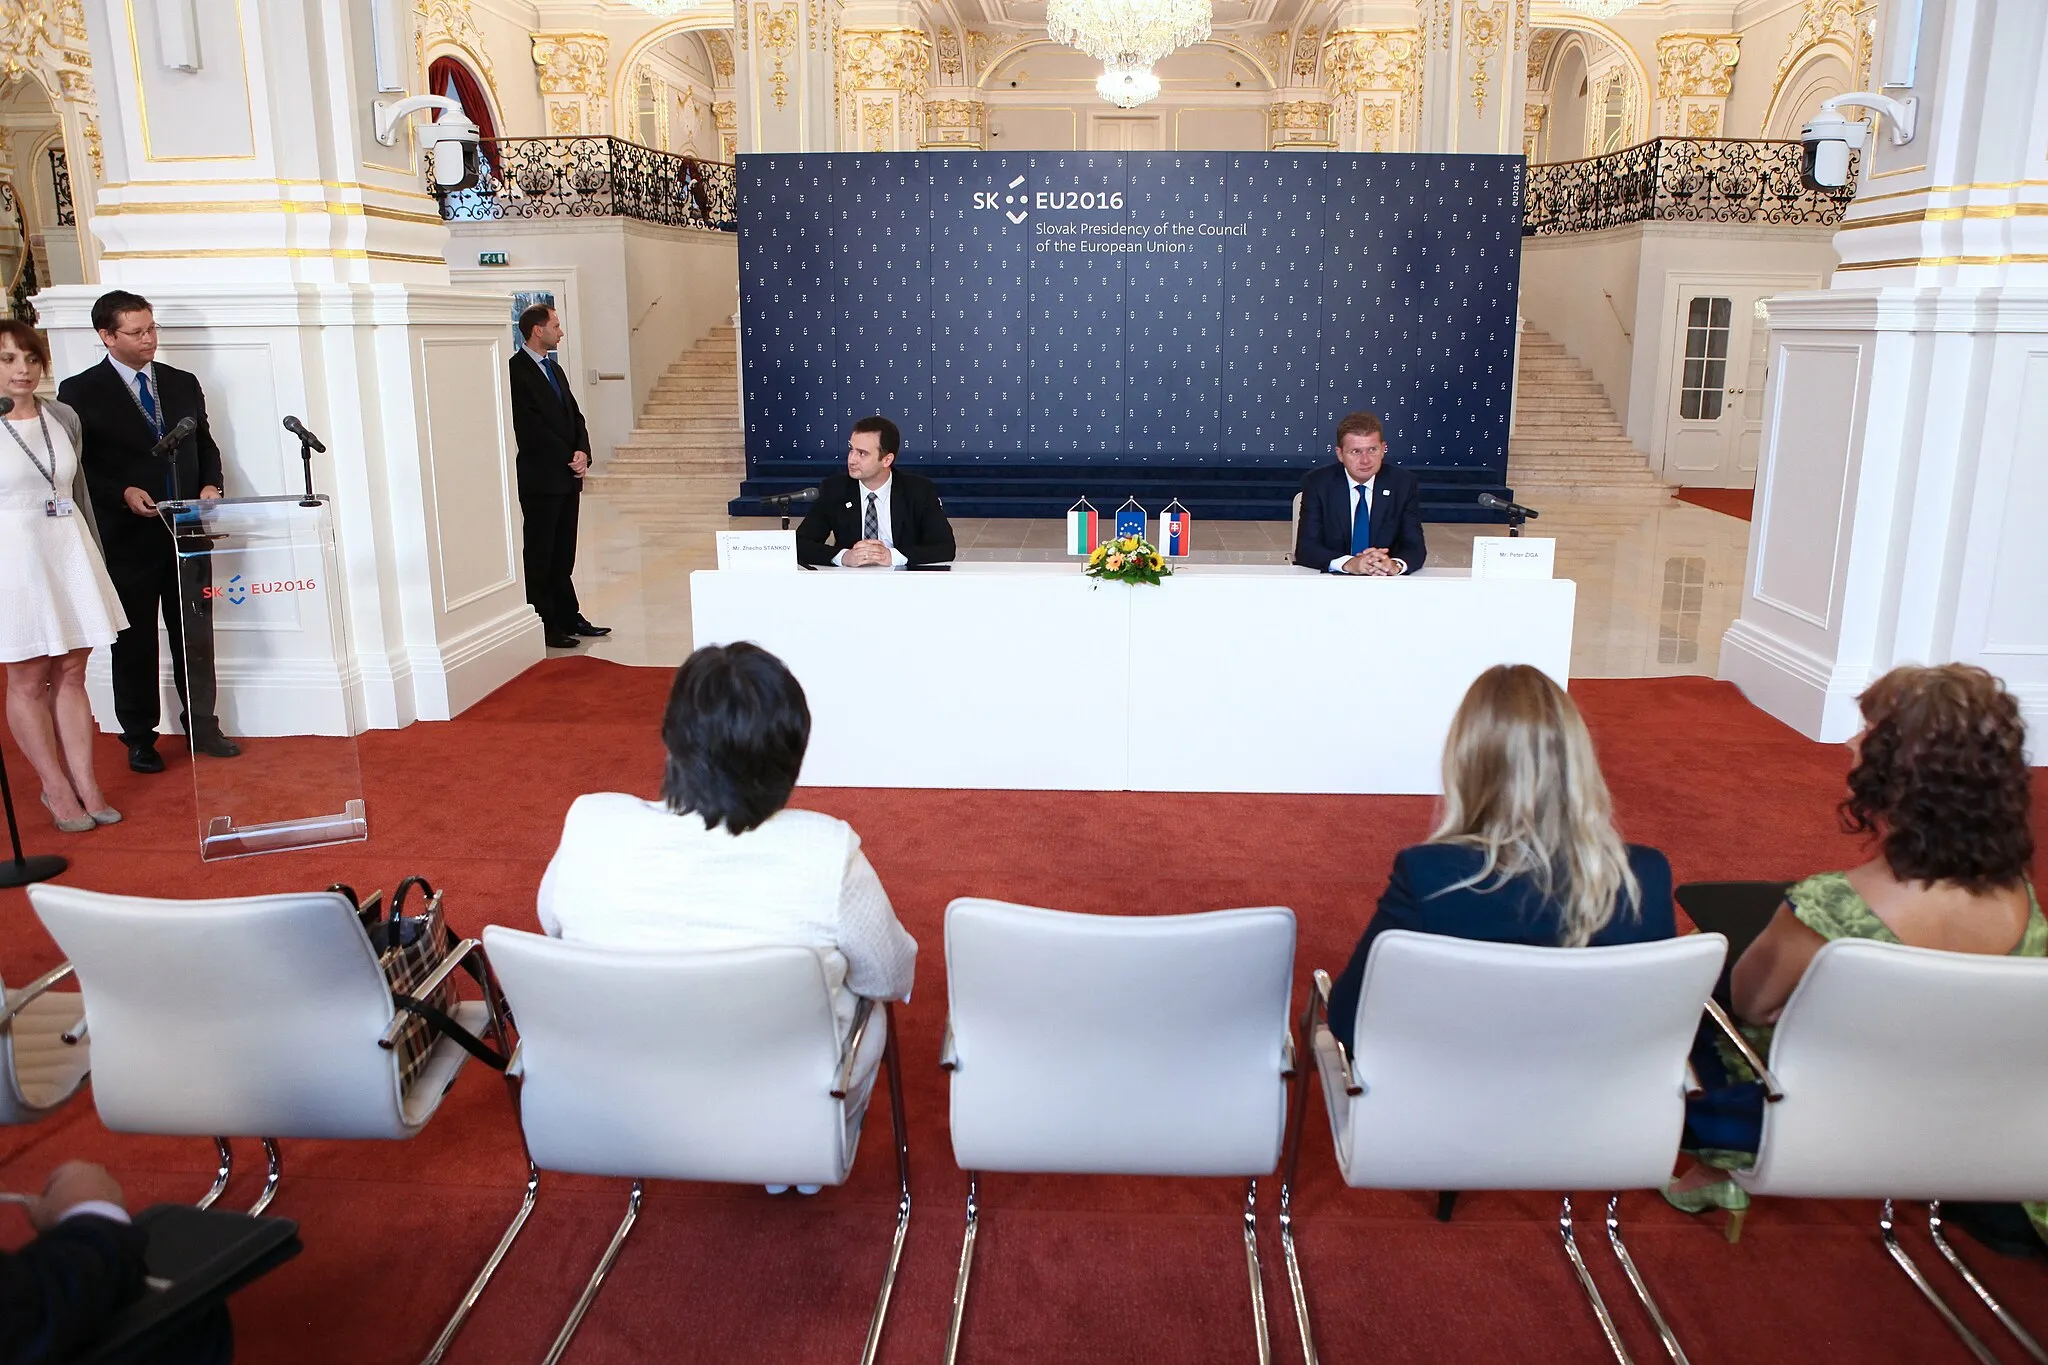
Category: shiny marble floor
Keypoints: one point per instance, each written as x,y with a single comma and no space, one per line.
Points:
1658,582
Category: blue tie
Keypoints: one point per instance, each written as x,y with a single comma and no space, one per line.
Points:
1361,521
555,378
148,400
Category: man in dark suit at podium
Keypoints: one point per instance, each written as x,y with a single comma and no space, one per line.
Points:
554,454
878,516
1360,515
125,405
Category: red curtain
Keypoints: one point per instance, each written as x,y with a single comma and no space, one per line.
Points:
447,71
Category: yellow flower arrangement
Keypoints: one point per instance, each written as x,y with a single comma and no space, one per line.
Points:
1127,559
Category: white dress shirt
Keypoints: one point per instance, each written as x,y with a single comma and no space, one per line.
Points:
885,529
156,392
630,874
1360,490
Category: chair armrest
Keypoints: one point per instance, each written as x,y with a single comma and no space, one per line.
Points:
1772,1091
863,1014
29,992
949,1060
1287,1055
1319,1012
427,988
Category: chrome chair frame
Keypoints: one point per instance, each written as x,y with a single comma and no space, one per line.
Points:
841,1087
1774,1091
1317,1013
33,991
948,1061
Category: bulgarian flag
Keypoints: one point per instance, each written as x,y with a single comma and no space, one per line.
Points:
1084,530
1174,527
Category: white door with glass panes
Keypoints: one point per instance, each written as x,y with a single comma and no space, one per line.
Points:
1714,416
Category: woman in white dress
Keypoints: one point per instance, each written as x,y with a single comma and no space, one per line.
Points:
60,603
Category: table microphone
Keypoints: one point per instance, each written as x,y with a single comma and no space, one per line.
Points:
298,429
785,499
1511,508
186,426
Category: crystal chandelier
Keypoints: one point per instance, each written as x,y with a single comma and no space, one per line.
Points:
1127,85
1127,33
1597,9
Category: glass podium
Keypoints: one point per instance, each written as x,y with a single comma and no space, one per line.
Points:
267,661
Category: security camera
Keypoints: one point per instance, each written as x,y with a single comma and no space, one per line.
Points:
452,138
1829,139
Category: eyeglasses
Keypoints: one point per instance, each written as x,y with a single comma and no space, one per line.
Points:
137,333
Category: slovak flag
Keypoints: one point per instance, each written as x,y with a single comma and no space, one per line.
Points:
1084,528
1130,520
1174,526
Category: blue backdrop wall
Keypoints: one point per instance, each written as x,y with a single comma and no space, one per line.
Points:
1050,324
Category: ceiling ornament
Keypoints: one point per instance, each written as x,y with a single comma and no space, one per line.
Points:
1598,9
1127,85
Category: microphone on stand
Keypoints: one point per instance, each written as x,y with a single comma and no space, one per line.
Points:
783,500
298,429
172,438
1517,513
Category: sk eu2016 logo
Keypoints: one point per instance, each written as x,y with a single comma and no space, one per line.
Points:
1013,200
239,591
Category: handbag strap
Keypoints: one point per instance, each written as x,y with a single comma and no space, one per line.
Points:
442,1022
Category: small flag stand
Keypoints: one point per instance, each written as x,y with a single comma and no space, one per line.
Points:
1175,525
1130,519
1084,528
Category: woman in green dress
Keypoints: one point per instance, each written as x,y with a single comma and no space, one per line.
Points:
1940,782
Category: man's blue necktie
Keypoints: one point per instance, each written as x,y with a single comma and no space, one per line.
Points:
1361,521
555,378
148,400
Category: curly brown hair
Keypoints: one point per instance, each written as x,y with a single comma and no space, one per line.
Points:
1941,777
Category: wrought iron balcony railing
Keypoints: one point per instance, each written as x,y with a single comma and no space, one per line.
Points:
596,177
1681,180
60,184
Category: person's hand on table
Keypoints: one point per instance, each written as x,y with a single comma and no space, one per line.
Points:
72,1184
868,554
209,494
139,502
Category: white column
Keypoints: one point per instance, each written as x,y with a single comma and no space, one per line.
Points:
1475,55
1904,478
297,267
784,49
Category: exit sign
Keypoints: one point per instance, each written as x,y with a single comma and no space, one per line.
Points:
493,258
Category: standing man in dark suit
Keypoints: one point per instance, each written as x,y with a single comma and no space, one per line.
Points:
879,516
1360,515
554,454
125,405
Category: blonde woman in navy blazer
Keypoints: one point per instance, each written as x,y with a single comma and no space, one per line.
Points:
1526,851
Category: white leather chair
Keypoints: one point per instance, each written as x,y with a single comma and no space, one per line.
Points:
1117,1045
1501,1066
39,1070
716,1066
256,1015
1907,1073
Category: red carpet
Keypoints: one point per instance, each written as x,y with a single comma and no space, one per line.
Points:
1089,1270
1735,502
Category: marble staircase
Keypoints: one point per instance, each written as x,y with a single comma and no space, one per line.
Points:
1567,440
688,442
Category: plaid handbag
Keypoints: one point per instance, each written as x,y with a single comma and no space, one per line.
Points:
409,948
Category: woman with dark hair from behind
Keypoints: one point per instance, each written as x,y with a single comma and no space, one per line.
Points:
1525,850
719,862
1940,783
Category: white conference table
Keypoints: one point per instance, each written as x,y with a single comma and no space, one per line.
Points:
1224,678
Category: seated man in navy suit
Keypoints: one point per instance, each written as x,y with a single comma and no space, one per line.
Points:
1360,515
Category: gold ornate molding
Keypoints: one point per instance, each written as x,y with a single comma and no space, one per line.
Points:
726,114
949,57
1484,28
1375,75
449,23
45,39
1533,114
880,74
571,63
778,32
1300,123
955,123
1697,64
1303,67
722,65
1540,47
